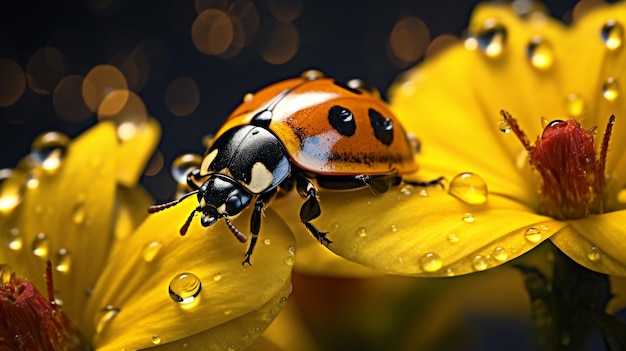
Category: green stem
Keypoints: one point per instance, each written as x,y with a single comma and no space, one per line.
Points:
568,303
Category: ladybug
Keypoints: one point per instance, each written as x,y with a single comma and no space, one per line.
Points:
305,132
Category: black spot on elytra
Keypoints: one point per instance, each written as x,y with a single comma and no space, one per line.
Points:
383,127
342,120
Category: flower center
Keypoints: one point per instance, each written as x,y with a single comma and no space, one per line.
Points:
572,172
29,321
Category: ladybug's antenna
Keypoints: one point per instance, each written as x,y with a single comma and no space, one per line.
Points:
161,207
239,235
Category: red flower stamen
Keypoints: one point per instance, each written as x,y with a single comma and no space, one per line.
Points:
572,172
29,321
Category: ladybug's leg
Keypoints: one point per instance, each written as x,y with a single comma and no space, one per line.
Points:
255,222
310,208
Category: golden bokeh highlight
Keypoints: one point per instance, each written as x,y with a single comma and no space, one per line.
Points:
67,99
44,70
279,42
440,43
12,83
212,32
126,109
182,96
99,82
408,41
285,10
155,165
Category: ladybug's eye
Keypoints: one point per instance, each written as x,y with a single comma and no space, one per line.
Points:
342,120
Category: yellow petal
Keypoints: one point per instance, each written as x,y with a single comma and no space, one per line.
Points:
426,232
65,217
236,334
134,153
312,257
596,242
136,279
130,211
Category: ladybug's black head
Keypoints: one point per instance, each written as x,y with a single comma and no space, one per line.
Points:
221,196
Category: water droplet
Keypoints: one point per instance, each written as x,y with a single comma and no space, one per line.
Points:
504,126
540,53
491,38
407,189
217,277
610,89
423,192
183,165
480,263
267,241
312,74
48,150
6,273
453,238
106,316
63,260
156,339
11,190
227,312
14,239
594,254
248,97
185,288
533,235
544,227
151,250
431,262
450,272
469,188
394,229
468,218
574,105
361,232
41,245
78,212
292,250
289,261
500,254
612,34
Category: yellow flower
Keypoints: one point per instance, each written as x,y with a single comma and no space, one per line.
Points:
535,68
128,284
491,210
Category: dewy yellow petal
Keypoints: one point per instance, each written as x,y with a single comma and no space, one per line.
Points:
597,242
131,302
426,231
66,218
236,334
134,153
129,212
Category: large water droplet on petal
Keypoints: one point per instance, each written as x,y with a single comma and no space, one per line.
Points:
49,149
41,245
63,260
612,34
6,273
594,254
11,191
105,316
183,165
533,235
431,262
468,218
500,254
540,53
156,339
469,188
361,232
491,38
185,288
14,239
480,263
610,89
